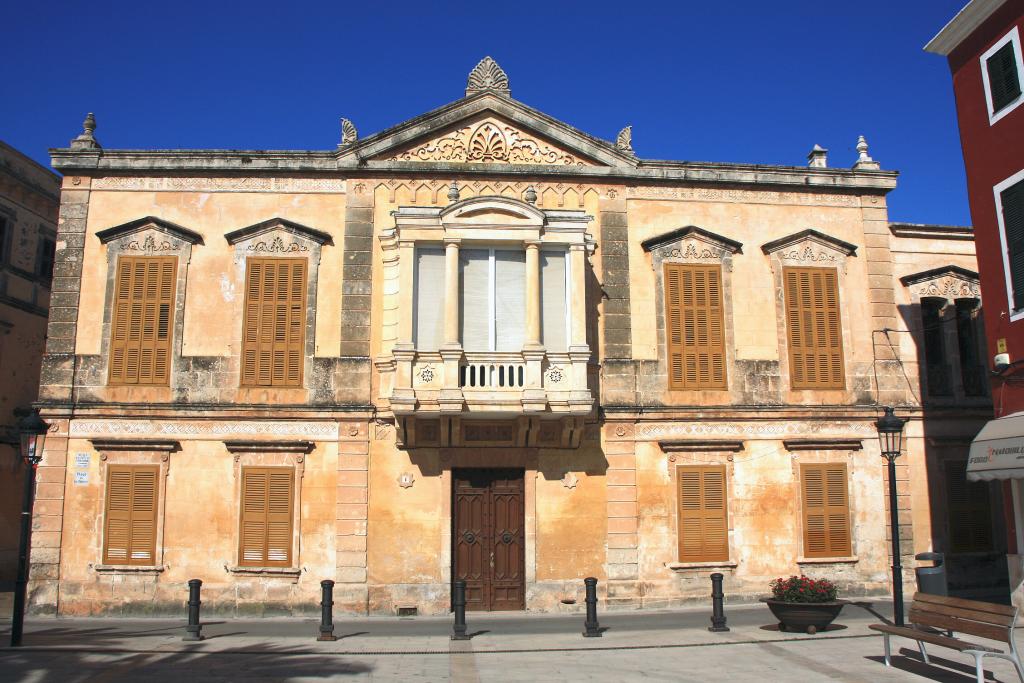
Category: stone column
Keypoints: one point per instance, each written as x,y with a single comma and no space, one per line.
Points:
451,292
353,380
532,294
450,397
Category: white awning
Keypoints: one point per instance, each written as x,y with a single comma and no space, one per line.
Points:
998,450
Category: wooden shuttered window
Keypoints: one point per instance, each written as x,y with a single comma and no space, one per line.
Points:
142,324
703,513
694,326
1012,201
814,328
275,322
826,508
970,514
265,538
130,514
1003,79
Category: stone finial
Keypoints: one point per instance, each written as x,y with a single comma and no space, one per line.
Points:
349,134
817,157
453,192
487,76
863,160
530,195
87,140
624,140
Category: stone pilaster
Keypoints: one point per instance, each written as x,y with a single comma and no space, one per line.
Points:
350,594
623,561
618,372
354,367
48,521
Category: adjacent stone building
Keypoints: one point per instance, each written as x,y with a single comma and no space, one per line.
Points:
480,344
29,197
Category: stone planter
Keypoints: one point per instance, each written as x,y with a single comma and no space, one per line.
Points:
809,617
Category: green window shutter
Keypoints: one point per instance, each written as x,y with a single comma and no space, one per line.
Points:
1003,79
1012,199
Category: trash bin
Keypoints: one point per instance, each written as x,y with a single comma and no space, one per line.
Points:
932,579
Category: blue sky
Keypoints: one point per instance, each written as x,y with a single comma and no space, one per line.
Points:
748,82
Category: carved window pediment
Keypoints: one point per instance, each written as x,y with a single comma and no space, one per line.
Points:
948,282
810,248
691,245
278,235
149,235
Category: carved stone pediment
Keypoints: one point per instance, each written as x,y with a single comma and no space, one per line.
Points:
691,244
150,235
810,248
948,282
489,140
278,235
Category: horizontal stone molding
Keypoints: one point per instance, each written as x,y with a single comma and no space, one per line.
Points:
765,430
701,445
684,566
127,569
851,559
269,446
153,445
200,184
287,572
823,444
202,429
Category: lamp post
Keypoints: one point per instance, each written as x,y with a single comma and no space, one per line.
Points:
890,440
32,431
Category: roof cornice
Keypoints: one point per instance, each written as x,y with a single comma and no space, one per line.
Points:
962,25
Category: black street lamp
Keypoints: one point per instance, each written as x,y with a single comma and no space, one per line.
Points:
32,431
890,440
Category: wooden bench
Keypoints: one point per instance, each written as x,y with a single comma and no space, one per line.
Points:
930,615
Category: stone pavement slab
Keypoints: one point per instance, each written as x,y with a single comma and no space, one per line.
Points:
670,645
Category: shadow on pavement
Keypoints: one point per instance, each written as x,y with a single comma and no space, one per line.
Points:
940,669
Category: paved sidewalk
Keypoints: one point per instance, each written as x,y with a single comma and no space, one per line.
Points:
667,645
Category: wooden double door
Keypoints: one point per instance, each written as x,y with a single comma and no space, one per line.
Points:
488,537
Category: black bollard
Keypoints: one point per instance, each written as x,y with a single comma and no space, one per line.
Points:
192,631
593,629
717,611
459,605
326,611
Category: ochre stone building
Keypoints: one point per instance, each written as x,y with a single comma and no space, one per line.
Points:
29,198
480,344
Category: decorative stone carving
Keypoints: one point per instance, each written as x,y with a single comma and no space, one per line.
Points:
489,141
624,140
706,194
197,430
149,245
349,134
87,139
570,480
383,431
656,431
277,245
692,250
406,479
808,255
949,287
555,375
863,160
177,184
426,374
488,76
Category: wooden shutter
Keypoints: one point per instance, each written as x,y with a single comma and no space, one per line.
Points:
970,515
1003,79
143,319
265,538
275,322
814,328
130,514
826,510
694,326
703,513
1012,200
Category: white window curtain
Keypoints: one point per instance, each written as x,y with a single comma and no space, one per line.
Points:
429,312
475,318
553,300
509,300
492,312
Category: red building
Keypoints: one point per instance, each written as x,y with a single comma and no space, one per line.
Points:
983,46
